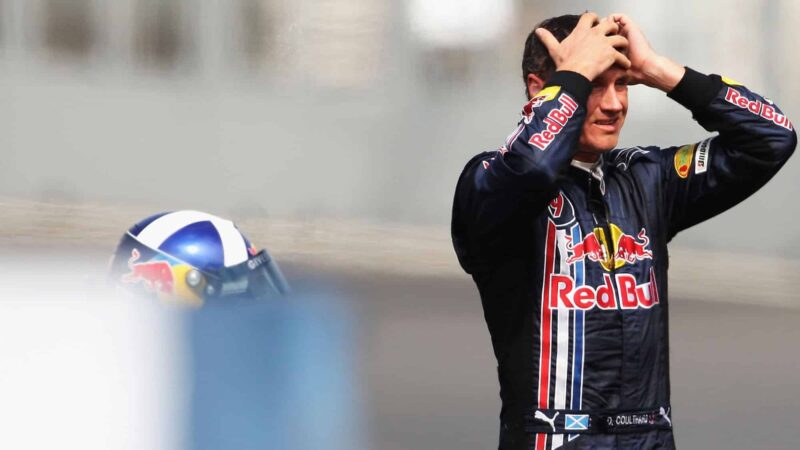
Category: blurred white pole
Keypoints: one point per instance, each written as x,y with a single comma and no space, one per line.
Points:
86,372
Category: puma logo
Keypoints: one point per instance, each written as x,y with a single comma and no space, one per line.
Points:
540,415
665,414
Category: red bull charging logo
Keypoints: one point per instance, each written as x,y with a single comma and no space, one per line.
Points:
157,276
618,290
611,253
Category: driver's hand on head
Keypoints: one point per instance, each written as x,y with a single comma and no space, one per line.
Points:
646,66
592,47
639,51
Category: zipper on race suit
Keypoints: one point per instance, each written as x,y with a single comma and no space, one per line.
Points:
599,207
601,210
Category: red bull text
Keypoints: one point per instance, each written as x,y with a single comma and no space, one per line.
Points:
624,294
766,111
556,120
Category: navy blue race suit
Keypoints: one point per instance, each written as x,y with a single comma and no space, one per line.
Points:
571,261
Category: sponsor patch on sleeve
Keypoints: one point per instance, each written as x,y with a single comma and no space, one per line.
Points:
765,109
555,121
545,95
683,160
703,156
730,82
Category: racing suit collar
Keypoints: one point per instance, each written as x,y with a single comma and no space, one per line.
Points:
593,168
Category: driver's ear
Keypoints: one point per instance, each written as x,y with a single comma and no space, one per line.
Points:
535,84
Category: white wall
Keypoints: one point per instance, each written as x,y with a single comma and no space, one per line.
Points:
293,138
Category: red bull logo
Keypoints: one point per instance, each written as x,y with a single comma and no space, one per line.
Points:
157,276
624,248
589,248
555,121
624,294
764,110
630,250
545,95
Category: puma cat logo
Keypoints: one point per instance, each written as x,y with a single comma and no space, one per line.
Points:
540,415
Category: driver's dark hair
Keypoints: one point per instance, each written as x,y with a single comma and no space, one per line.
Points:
536,59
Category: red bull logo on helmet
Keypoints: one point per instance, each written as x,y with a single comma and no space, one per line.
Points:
157,276
611,253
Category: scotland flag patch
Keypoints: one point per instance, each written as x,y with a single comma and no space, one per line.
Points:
576,422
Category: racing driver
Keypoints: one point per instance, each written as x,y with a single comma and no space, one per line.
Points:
566,236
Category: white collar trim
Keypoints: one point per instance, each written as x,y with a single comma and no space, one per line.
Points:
590,167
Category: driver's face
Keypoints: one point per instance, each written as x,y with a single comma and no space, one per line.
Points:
605,112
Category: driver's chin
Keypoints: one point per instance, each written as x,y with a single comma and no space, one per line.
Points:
598,144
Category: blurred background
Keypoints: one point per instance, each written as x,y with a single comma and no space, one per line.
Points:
332,132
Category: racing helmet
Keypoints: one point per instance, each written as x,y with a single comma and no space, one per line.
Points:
191,256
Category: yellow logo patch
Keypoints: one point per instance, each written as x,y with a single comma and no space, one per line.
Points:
546,94
683,160
730,82
609,262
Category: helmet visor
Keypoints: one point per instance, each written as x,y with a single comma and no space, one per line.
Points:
257,277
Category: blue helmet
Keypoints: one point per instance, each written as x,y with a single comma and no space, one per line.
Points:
190,256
